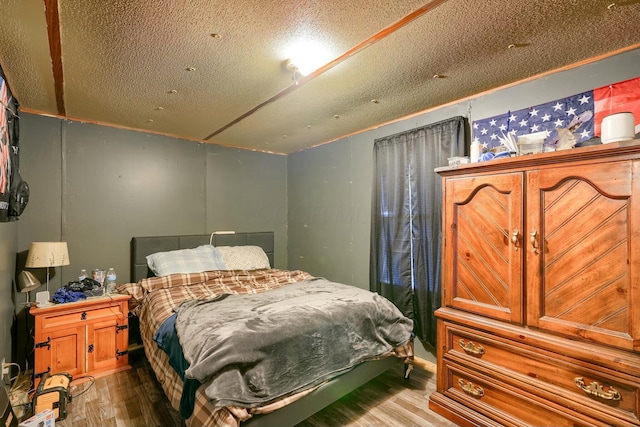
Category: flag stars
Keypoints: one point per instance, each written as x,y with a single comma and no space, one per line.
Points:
573,114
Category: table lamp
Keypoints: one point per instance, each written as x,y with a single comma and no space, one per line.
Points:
27,282
47,254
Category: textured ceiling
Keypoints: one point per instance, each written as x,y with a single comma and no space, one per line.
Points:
125,62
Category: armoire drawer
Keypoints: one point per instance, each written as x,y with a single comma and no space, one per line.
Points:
504,403
592,390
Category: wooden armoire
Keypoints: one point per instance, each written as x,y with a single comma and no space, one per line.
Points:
540,316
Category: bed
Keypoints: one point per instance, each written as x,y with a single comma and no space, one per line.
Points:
153,298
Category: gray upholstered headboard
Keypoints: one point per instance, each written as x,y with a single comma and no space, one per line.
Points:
143,246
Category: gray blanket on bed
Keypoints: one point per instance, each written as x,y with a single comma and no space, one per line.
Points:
250,350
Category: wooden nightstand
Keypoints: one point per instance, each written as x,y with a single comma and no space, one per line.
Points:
88,337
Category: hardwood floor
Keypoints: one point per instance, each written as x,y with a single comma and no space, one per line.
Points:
385,401
133,398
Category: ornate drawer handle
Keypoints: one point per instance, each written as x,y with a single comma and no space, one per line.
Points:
515,239
595,389
470,347
470,388
534,242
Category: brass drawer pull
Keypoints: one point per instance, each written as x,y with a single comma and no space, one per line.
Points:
470,388
595,389
534,241
515,239
470,347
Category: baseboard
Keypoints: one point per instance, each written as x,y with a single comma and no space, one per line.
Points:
425,364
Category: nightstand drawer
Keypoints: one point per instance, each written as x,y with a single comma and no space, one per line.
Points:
56,321
595,391
82,314
504,403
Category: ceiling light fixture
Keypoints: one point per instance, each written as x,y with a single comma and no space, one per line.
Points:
307,56
293,69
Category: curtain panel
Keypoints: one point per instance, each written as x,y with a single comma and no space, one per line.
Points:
406,235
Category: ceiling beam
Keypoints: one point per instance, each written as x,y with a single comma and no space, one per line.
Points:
55,50
346,55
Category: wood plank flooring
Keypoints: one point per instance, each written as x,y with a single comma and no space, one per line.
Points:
387,400
133,398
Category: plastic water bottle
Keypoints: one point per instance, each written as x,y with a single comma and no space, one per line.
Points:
476,151
83,275
110,281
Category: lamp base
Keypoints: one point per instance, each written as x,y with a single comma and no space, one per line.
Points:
42,299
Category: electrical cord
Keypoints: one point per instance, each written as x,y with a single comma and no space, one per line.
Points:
13,364
90,377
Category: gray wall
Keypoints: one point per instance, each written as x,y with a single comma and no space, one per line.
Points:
330,186
96,187
8,248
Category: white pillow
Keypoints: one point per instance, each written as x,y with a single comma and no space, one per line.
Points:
202,258
243,257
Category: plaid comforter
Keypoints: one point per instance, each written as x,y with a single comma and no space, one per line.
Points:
154,299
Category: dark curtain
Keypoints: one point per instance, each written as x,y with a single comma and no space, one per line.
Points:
406,237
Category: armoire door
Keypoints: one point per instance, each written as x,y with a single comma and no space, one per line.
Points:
583,252
483,245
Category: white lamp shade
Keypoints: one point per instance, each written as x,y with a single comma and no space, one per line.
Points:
47,254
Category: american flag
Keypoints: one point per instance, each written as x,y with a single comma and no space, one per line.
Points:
574,113
578,114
